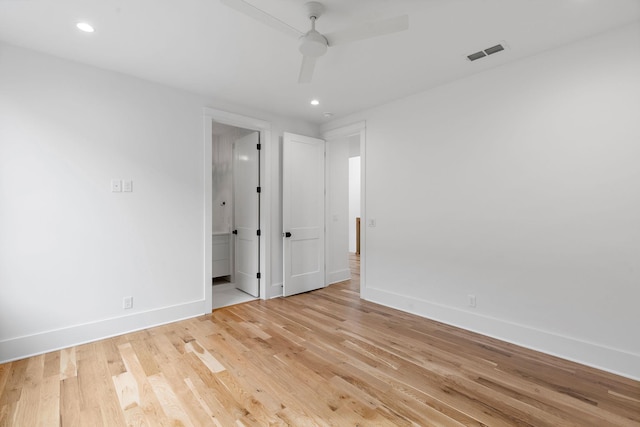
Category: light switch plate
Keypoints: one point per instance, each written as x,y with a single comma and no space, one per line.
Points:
127,186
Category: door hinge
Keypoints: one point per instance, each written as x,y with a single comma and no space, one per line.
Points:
259,189
258,233
258,275
259,147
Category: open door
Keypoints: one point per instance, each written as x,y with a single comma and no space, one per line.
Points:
303,213
246,198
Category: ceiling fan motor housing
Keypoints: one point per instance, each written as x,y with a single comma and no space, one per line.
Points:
313,44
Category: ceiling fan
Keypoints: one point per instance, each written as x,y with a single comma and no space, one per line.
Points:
313,44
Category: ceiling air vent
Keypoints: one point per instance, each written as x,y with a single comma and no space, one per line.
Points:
488,51
494,49
476,55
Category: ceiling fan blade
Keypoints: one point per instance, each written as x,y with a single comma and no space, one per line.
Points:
369,30
262,16
306,70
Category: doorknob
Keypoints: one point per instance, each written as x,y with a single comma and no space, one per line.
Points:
234,232
287,234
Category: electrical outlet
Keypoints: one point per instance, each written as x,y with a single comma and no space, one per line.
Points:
371,222
127,186
116,186
471,300
127,303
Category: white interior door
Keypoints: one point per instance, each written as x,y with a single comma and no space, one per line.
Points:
303,213
246,198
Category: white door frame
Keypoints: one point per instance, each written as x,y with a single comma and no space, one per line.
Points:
210,116
360,129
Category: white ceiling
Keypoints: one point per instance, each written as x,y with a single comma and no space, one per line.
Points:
205,47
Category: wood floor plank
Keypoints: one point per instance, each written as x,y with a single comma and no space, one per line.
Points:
182,386
49,408
211,418
14,382
127,390
98,405
210,362
70,402
215,394
51,364
5,373
152,412
324,358
26,412
68,367
7,413
27,408
174,413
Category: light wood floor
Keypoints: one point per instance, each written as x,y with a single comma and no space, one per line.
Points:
321,358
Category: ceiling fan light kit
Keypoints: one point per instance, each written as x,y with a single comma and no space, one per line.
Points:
313,44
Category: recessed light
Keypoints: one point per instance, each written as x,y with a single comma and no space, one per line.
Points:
83,26
315,102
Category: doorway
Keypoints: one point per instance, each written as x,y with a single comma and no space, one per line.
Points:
210,117
235,182
316,207
346,203
354,196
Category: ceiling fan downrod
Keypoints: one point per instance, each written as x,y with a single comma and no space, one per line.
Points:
313,44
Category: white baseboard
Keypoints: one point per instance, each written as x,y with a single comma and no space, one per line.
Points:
44,342
338,276
598,356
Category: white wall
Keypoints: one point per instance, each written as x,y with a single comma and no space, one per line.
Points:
354,199
337,210
521,186
70,250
